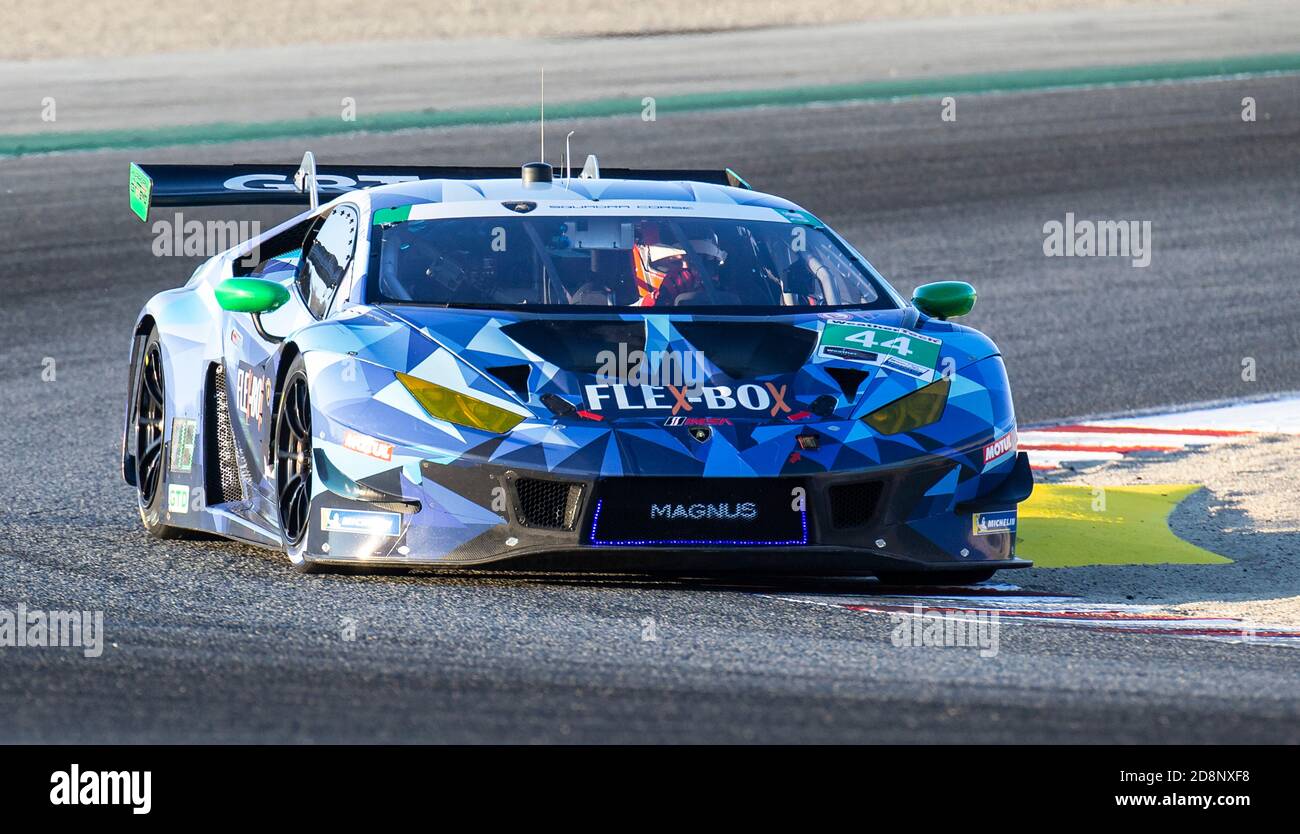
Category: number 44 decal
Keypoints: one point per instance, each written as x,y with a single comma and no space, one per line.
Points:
900,349
899,345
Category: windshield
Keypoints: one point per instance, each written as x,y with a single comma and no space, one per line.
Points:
615,261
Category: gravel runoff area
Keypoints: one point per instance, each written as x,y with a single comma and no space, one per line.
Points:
1247,511
72,28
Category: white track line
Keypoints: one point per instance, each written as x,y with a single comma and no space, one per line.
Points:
1061,612
1279,416
1101,440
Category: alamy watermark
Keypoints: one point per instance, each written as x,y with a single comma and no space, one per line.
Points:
74,786
940,628
179,237
633,366
26,627
1098,238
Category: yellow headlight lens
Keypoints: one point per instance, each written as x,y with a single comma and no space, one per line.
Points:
455,407
919,408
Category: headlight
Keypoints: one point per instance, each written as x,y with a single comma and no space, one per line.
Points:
919,408
455,407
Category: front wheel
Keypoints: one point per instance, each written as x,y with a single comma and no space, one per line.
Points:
149,430
293,475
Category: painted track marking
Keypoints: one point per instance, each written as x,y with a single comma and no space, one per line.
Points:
1090,442
1015,605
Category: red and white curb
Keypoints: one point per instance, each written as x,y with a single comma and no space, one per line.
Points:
1089,442
1014,605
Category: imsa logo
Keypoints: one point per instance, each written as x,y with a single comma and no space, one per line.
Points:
697,421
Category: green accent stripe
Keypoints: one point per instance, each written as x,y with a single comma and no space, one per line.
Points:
19,144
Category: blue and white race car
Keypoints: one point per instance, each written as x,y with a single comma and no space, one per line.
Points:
641,370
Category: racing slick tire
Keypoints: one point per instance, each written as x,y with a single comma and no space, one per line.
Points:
149,427
292,447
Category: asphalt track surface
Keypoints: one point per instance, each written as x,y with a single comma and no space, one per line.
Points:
233,88
214,641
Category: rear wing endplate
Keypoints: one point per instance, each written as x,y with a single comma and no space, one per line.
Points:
260,184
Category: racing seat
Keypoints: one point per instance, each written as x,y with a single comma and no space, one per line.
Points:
591,293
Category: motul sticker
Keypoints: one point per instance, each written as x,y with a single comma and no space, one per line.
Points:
1004,444
367,445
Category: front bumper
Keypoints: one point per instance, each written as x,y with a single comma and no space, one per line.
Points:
899,518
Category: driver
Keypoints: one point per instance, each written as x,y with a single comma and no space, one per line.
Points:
681,279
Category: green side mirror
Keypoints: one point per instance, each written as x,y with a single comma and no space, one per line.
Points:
250,295
944,299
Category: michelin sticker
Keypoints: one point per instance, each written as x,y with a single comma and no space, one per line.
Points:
360,521
877,344
178,498
986,524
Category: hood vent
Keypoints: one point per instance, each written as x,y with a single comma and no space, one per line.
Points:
848,379
576,344
514,376
745,350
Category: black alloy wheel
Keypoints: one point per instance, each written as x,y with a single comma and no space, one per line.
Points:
150,422
293,459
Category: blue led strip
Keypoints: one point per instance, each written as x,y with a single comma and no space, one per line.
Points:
803,521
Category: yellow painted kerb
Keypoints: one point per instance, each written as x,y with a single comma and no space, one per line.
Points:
1066,525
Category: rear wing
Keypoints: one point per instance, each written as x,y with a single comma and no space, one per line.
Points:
260,184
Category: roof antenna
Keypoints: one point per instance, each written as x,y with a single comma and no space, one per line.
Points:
538,173
568,158
305,180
